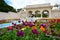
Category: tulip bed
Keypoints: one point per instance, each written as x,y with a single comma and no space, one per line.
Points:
3,21
36,30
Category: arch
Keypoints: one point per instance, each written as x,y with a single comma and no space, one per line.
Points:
45,13
37,13
30,12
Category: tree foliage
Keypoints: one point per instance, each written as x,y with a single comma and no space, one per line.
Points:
5,8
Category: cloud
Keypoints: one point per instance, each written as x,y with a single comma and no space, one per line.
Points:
21,3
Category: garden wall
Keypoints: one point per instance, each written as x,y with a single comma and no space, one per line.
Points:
9,15
55,14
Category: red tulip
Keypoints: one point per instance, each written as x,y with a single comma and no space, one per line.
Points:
52,21
58,20
30,24
21,26
34,31
10,28
16,27
46,32
42,24
20,33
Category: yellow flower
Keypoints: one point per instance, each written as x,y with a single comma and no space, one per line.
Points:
23,28
34,27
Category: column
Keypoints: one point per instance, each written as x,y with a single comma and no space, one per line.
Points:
41,14
33,12
50,14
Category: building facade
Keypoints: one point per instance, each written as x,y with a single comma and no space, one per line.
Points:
43,10
37,10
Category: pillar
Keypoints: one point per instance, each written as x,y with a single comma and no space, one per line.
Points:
33,12
41,14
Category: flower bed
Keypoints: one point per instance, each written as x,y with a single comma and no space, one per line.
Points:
36,30
3,21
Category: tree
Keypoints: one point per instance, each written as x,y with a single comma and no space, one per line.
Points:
5,8
18,10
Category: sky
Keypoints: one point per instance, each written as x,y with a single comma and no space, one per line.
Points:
22,3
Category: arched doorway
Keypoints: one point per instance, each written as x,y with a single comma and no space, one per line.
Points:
30,13
45,13
37,13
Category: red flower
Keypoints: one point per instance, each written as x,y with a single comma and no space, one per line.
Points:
20,33
58,20
52,21
10,28
34,31
16,27
42,24
21,26
46,32
30,24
